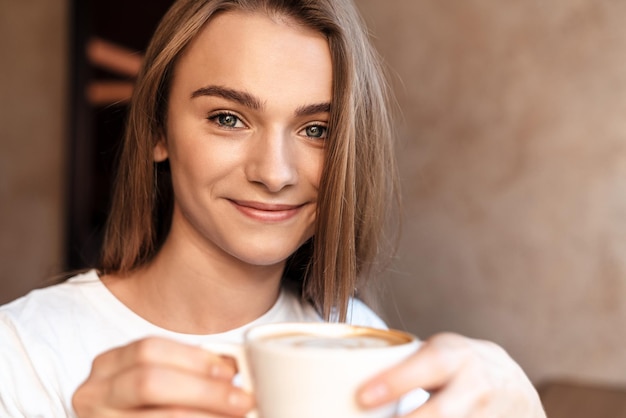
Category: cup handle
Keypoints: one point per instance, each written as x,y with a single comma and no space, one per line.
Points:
237,352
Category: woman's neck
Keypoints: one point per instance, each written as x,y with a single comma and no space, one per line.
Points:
195,291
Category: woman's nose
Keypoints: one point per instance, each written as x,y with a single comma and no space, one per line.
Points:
272,161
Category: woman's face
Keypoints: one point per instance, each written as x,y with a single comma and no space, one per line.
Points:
246,127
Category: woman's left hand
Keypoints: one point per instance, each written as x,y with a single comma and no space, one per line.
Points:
466,378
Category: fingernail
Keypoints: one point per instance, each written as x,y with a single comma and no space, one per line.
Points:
215,370
238,399
374,394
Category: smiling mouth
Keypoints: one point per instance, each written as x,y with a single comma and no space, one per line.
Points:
266,212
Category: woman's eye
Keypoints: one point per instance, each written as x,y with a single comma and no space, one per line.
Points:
315,131
227,120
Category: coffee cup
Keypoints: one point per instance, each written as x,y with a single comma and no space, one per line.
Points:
313,370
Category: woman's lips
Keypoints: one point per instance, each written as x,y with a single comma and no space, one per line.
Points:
266,212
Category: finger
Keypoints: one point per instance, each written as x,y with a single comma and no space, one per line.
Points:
452,401
173,412
157,386
176,412
164,352
434,364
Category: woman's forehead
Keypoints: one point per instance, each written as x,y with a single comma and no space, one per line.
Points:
253,52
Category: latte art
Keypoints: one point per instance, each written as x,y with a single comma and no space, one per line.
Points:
351,341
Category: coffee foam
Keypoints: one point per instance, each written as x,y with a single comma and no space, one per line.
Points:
348,341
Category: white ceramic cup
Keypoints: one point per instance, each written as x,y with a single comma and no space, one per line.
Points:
313,370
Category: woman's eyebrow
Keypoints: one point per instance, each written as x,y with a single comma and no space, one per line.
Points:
313,109
248,100
241,97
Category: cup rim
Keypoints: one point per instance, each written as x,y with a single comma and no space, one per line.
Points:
330,329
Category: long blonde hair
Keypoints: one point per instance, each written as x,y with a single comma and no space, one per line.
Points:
358,185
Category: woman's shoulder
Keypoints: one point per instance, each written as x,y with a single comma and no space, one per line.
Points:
49,301
42,340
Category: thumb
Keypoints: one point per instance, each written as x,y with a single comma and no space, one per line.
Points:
434,365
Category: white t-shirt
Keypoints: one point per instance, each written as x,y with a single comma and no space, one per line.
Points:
49,338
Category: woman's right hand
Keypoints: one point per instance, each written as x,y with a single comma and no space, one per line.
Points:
155,378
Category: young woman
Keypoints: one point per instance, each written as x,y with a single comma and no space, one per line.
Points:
255,177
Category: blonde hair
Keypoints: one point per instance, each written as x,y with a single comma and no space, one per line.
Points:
358,183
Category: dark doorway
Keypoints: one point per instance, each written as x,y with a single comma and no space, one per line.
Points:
98,112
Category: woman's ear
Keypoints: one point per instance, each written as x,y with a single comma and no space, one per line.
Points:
159,153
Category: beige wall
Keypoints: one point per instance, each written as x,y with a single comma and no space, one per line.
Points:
514,170
513,162
33,44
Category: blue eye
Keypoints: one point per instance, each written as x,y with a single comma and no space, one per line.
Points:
316,131
227,120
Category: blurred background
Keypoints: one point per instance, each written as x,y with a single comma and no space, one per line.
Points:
512,153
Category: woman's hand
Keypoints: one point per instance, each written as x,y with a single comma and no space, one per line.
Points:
466,378
156,377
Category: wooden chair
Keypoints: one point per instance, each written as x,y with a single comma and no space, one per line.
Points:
578,400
